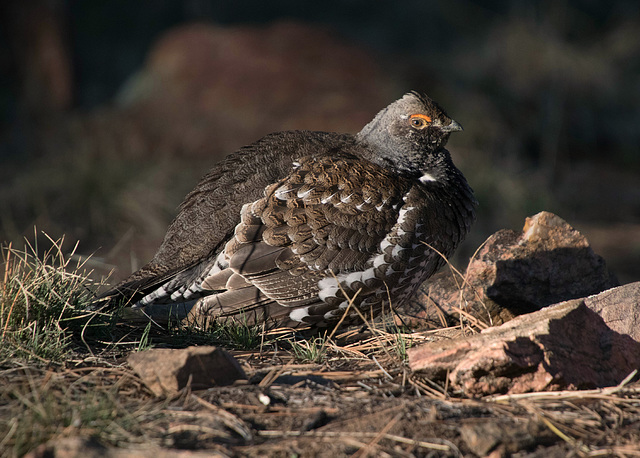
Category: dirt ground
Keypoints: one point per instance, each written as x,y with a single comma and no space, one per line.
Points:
361,400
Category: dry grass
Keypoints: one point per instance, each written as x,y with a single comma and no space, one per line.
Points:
345,393
348,403
43,297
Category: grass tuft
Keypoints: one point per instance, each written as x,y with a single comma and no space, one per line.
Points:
312,350
145,339
236,333
403,342
42,302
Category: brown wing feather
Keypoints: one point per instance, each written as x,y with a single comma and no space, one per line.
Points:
323,219
209,214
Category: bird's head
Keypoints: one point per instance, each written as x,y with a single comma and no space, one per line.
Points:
407,133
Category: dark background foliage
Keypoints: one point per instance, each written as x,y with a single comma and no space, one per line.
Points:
111,110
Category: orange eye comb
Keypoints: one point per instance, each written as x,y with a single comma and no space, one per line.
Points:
421,116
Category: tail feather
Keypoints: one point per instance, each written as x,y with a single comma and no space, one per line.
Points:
132,289
247,304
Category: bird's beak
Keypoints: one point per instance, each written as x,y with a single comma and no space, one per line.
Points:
452,127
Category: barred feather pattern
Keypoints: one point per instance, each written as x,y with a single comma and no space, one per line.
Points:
327,234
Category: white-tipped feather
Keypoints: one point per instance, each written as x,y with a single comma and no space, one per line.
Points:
299,313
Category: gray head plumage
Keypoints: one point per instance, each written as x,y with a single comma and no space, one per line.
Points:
405,133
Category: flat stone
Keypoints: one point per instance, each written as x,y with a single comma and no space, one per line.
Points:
166,371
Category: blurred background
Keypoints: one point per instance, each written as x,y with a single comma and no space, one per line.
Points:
110,111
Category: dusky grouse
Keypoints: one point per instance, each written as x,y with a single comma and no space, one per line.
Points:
291,228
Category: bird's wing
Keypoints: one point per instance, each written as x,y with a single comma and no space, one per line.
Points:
208,215
328,217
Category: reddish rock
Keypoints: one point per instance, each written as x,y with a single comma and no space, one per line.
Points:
208,89
515,273
167,371
565,346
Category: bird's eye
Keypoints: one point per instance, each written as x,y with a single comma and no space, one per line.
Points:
419,121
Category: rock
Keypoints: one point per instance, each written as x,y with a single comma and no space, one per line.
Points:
167,371
68,447
619,308
207,90
565,346
72,447
515,273
509,436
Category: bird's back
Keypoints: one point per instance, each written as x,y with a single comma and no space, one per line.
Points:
208,215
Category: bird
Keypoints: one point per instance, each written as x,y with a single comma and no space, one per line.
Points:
306,229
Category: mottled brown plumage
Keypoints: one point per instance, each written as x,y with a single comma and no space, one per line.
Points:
288,229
